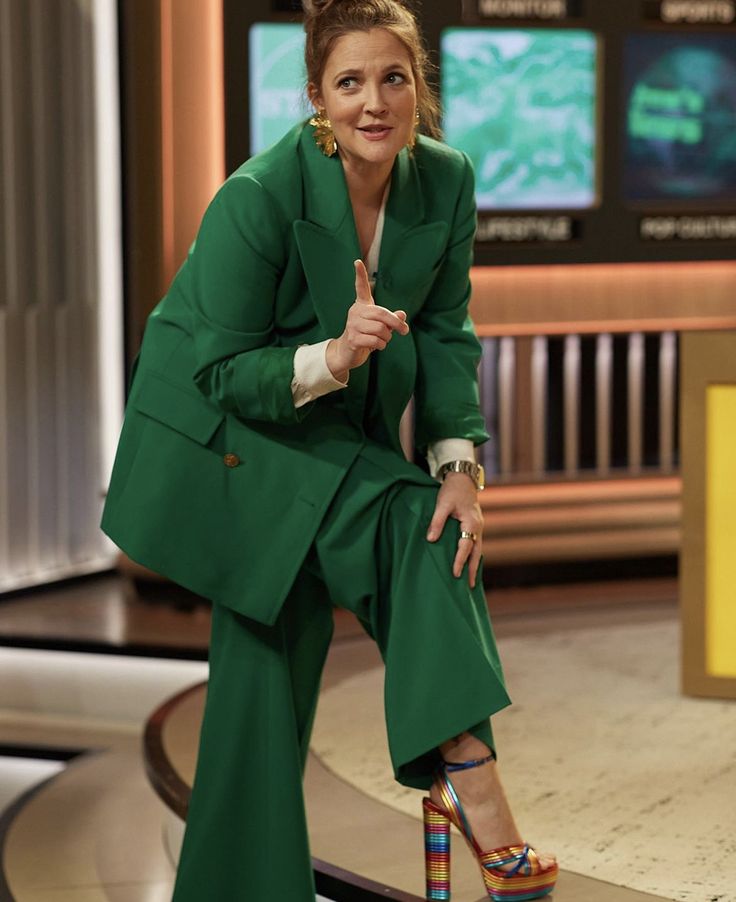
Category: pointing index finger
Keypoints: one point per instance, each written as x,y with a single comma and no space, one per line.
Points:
363,291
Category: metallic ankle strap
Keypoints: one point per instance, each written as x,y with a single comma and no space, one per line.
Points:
450,767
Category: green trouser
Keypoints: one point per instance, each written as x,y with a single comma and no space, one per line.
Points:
246,833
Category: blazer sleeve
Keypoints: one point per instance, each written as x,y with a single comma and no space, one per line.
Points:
446,394
235,268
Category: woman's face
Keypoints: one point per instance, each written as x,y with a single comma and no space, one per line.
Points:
369,94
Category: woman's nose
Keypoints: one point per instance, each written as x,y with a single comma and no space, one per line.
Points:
374,100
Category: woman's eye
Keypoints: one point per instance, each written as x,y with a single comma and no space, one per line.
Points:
395,78
346,82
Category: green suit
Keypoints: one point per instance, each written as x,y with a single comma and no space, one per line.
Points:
272,268
277,513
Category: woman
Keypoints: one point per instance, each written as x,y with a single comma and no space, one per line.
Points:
260,465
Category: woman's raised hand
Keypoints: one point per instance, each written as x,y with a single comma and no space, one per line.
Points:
368,327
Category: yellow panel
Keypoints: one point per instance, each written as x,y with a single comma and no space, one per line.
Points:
720,612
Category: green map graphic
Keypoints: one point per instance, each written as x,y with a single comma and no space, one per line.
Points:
277,79
522,105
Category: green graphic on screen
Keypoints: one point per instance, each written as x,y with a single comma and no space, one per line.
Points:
276,82
522,105
681,119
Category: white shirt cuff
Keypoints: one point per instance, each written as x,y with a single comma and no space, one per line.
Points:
312,376
446,449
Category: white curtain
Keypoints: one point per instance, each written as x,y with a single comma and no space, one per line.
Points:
60,296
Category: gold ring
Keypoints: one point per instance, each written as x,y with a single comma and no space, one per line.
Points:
468,535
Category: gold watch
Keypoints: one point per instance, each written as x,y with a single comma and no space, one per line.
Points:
475,471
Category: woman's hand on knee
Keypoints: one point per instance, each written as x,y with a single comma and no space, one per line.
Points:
458,498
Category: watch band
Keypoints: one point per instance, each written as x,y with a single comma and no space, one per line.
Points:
475,471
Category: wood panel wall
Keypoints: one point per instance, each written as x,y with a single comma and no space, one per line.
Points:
173,140
668,295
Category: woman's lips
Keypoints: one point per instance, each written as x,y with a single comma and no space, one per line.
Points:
375,134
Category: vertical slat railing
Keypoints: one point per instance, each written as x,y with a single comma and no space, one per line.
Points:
571,396
506,403
603,399
635,386
667,400
539,380
501,384
488,384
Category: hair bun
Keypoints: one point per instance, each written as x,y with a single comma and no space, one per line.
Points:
314,8
317,7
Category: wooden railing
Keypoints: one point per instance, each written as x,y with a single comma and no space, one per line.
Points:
574,402
584,457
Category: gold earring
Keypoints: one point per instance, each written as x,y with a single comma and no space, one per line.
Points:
412,142
323,135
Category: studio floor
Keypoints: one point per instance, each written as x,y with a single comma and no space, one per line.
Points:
604,760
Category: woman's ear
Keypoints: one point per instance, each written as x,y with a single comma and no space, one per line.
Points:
315,98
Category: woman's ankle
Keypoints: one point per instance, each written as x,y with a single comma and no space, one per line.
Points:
464,747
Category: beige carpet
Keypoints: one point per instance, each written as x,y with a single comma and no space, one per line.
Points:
604,761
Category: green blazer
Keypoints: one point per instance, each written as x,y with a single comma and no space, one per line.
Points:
219,482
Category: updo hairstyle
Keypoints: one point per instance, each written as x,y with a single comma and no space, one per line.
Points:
327,20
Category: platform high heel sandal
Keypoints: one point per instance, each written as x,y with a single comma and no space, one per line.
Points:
525,880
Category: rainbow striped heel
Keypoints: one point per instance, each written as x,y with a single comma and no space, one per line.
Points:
524,880
436,852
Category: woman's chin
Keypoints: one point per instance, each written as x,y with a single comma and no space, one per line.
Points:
373,152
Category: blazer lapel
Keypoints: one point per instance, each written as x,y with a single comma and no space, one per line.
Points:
410,250
410,246
328,244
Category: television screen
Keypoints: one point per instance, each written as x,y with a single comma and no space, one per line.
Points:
680,119
277,97
522,104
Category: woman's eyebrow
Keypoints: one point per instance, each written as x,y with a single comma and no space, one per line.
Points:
388,68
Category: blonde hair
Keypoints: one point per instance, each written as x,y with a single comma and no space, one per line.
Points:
327,20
